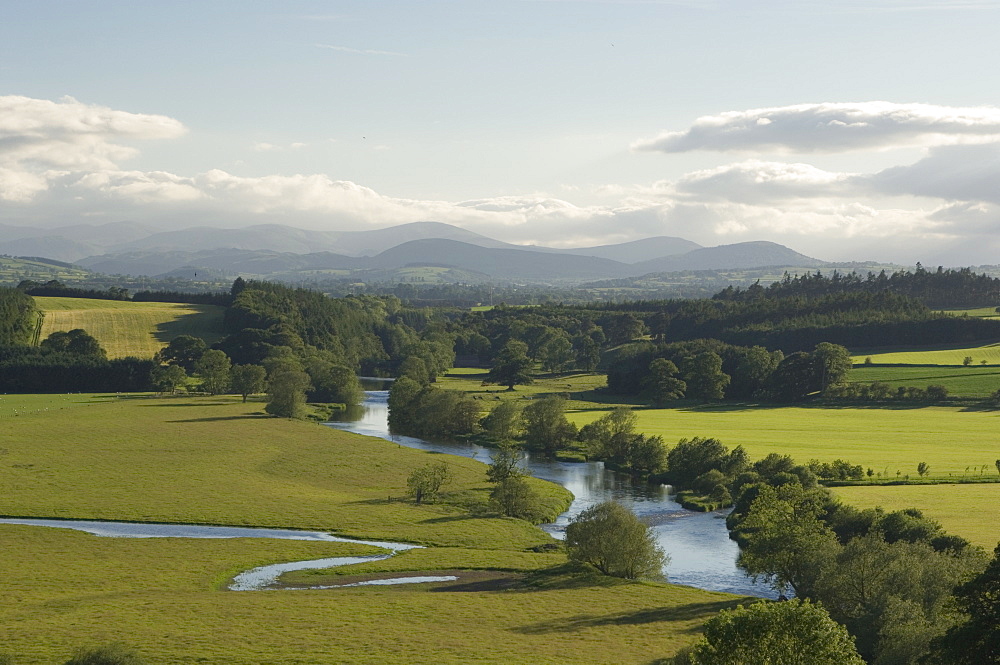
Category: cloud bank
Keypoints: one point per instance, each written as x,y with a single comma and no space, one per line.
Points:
830,127
66,161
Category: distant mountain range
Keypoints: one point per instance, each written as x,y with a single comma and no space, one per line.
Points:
421,251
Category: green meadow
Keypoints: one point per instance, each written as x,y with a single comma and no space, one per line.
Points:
975,381
950,355
218,461
966,510
127,328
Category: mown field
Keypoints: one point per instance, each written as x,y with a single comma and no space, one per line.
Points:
965,510
126,328
952,355
212,460
974,381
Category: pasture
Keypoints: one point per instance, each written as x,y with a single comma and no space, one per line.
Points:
964,510
886,439
949,355
216,460
974,381
126,328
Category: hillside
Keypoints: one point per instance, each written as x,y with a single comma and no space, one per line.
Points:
737,256
131,328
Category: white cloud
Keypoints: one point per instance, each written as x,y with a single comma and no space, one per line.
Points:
757,181
831,127
42,139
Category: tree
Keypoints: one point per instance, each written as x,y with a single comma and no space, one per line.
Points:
511,366
557,352
334,383
976,641
546,427
923,469
76,341
403,404
424,483
784,540
504,422
704,376
833,362
767,633
514,497
167,378
112,654
213,367
611,538
247,380
506,463
183,350
663,382
286,394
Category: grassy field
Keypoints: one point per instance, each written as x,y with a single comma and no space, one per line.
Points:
975,381
951,355
214,460
886,440
126,328
965,510
164,598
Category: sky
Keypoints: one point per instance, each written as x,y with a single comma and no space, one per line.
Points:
864,130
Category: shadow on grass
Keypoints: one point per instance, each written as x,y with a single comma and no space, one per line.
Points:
249,416
206,323
688,612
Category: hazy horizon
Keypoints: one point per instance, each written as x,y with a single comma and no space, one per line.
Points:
848,131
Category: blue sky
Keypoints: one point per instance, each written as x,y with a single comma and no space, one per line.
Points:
846,130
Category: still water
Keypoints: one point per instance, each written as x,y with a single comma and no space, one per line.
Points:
701,553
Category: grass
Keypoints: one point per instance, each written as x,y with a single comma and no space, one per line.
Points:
579,385
215,460
887,440
975,381
163,598
126,328
964,510
948,355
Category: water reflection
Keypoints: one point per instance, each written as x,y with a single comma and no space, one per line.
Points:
701,553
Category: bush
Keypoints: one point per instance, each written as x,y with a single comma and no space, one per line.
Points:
513,497
112,654
611,538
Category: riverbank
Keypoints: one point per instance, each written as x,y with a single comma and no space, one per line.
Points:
215,460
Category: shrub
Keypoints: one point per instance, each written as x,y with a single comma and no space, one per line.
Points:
611,538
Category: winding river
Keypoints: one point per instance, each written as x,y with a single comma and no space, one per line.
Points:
701,553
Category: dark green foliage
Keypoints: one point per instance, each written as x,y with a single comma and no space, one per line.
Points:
354,328
113,654
691,458
168,378
19,317
545,425
183,350
332,383
514,497
611,538
704,376
504,422
836,470
662,381
36,370
76,342
427,411
213,367
976,640
248,380
286,394
766,633
55,288
512,366
612,438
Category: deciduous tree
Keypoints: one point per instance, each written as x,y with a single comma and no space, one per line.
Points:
611,538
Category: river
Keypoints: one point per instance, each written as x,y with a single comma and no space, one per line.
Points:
701,553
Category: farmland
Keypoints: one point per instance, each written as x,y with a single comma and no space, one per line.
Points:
952,355
216,460
965,510
126,328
